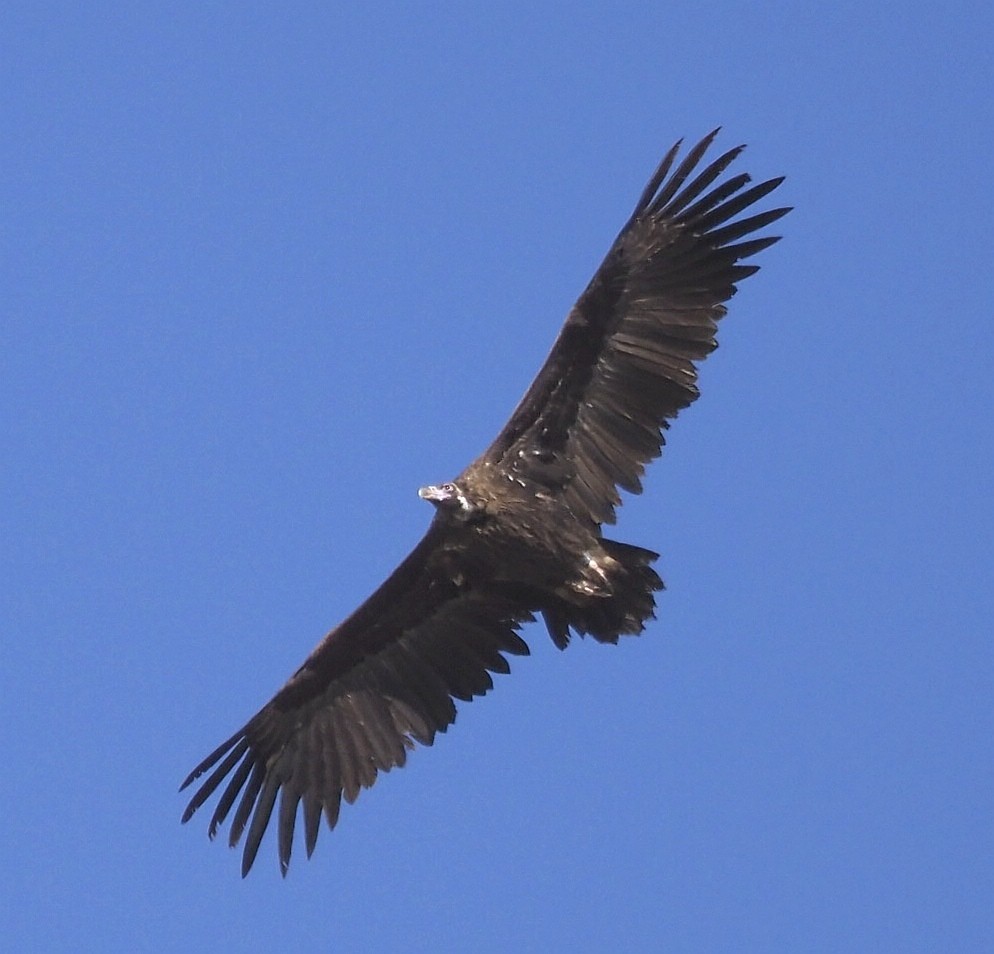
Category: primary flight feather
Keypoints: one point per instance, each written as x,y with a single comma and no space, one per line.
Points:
518,532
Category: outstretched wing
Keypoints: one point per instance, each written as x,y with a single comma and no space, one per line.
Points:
382,680
623,364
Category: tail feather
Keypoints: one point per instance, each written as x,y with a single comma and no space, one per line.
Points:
622,608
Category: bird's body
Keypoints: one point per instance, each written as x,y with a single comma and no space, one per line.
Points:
515,536
519,533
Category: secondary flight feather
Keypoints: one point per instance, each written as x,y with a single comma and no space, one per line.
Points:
518,534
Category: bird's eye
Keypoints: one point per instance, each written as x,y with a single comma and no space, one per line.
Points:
449,488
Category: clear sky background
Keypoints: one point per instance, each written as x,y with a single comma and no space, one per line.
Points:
266,269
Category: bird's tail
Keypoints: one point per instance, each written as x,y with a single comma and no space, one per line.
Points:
617,602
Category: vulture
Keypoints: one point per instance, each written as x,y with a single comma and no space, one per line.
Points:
518,534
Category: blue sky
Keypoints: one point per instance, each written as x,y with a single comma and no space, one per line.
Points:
268,269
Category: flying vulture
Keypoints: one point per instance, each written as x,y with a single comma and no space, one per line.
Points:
518,533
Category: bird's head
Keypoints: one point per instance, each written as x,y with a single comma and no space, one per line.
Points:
451,499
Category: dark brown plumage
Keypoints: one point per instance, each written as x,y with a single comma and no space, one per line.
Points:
518,533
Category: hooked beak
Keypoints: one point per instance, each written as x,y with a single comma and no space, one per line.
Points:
434,494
